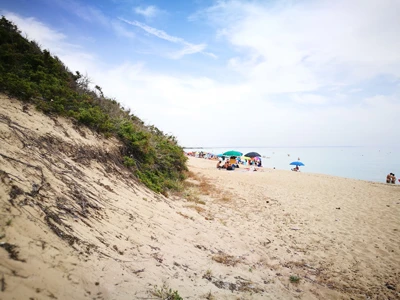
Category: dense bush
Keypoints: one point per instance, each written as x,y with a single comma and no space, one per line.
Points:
35,76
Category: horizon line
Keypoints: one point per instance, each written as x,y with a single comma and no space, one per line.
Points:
207,147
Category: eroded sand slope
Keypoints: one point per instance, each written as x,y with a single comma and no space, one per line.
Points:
74,224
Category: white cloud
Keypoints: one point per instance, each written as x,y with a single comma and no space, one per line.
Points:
94,15
56,42
85,12
271,93
156,32
35,30
310,44
189,48
309,99
148,12
121,30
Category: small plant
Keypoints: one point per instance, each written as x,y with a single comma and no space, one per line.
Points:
166,293
2,236
209,296
199,209
226,259
225,199
129,162
201,202
294,279
208,275
8,223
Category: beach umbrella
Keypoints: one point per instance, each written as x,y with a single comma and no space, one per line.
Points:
297,163
232,153
253,154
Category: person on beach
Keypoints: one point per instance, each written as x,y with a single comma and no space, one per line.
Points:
228,166
391,178
219,164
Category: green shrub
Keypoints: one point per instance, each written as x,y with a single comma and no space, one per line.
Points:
33,75
294,279
166,293
129,162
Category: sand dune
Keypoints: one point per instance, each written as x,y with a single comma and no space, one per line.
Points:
76,225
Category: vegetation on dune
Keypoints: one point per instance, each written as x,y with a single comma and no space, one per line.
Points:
34,75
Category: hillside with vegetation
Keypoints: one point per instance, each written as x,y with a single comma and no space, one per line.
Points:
36,76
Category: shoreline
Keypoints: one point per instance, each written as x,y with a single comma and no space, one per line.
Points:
311,173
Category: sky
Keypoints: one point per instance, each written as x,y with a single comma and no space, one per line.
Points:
265,73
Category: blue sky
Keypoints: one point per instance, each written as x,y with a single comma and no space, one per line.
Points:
220,73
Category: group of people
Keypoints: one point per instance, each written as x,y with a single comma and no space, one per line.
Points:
201,154
227,165
255,162
391,178
296,169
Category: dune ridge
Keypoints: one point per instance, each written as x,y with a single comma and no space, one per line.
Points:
75,224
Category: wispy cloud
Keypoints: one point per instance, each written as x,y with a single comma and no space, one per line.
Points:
85,12
308,99
121,30
94,15
36,30
156,32
148,12
324,44
56,42
189,48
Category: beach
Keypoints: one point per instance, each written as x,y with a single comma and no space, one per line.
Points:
365,163
75,224
341,233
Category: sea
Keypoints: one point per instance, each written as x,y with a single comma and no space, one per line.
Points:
365,163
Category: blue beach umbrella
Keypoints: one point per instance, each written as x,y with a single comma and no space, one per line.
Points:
297,163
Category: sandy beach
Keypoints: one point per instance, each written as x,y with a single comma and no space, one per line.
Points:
75,224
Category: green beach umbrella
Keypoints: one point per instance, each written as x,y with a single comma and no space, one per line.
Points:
232,153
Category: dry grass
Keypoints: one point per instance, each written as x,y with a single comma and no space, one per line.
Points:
201,202
208,275
185,216
197,186
196,208
226,259
223,222
225,199
209,216
201,183
209,296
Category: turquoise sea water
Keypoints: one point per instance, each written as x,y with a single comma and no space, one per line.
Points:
366,163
